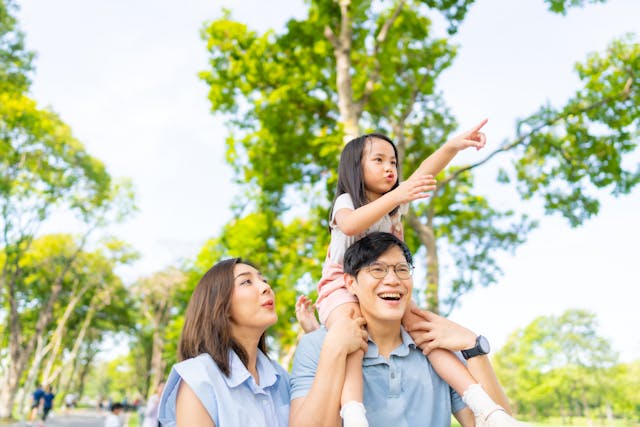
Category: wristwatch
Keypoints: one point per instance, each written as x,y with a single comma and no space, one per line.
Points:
481,347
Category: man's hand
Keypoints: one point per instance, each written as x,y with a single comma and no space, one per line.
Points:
348,333
430,331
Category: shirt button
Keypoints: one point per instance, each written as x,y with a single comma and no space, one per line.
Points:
393,375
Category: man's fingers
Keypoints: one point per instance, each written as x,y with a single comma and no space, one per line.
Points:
420,326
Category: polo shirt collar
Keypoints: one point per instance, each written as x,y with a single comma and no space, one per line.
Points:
402,350
240,374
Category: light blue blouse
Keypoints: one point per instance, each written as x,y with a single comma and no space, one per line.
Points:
235,401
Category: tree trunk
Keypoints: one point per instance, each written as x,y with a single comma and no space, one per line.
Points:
17,355
427,238
157,363
349,114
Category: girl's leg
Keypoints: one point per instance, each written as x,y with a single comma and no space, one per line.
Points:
352,410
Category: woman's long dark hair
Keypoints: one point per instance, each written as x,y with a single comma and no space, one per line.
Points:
350,173
207,322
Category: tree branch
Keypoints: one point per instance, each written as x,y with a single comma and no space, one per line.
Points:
507,147
379,41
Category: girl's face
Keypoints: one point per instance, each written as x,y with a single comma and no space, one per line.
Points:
252,301
379,168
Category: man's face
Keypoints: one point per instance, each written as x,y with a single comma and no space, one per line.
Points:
383,298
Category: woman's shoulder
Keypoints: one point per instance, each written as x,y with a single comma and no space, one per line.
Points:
194,367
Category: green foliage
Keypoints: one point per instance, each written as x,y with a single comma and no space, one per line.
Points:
472,230
562,6
15,61
281,96
558,365
566,154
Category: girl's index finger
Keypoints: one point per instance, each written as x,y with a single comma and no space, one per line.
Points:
477,127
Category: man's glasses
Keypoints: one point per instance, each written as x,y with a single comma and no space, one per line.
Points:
379,270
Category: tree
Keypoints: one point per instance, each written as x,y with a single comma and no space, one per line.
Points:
157,293
556,364
42,168
356,65
76,285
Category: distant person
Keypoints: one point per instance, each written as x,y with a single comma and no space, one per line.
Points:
151,410
47,402
70,401
114,418
38,394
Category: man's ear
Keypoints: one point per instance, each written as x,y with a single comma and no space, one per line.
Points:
350,283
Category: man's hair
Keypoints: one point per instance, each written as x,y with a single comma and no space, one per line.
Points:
368,249
116,406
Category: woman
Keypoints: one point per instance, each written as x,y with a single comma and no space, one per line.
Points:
225,378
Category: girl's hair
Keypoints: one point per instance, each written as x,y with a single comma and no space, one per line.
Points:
350,173
207,322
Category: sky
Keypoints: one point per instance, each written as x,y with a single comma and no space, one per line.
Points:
123,75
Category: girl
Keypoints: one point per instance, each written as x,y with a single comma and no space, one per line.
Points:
369,197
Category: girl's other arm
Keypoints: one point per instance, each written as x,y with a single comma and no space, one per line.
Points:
305,314
440,158
352,222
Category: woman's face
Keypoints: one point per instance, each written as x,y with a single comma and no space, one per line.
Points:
252,301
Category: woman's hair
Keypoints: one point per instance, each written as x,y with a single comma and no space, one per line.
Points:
207,322
350,173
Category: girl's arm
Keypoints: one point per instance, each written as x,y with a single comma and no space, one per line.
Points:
437,161
352,222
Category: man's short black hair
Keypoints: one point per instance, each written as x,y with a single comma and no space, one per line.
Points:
368,249
116,406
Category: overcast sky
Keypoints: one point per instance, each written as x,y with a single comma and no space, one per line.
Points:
122,74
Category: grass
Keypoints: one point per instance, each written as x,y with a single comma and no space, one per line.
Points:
575,422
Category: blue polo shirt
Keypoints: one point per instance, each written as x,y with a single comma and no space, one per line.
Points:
401,391
234,401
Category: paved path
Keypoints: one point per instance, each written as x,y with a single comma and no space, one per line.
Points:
76,419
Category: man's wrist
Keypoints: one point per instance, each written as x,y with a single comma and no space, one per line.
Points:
481,347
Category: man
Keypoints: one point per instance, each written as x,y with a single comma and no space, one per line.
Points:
400,386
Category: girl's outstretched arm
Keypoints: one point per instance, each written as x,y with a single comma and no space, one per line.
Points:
440,158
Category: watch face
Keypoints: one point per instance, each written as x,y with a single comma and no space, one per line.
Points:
483,344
